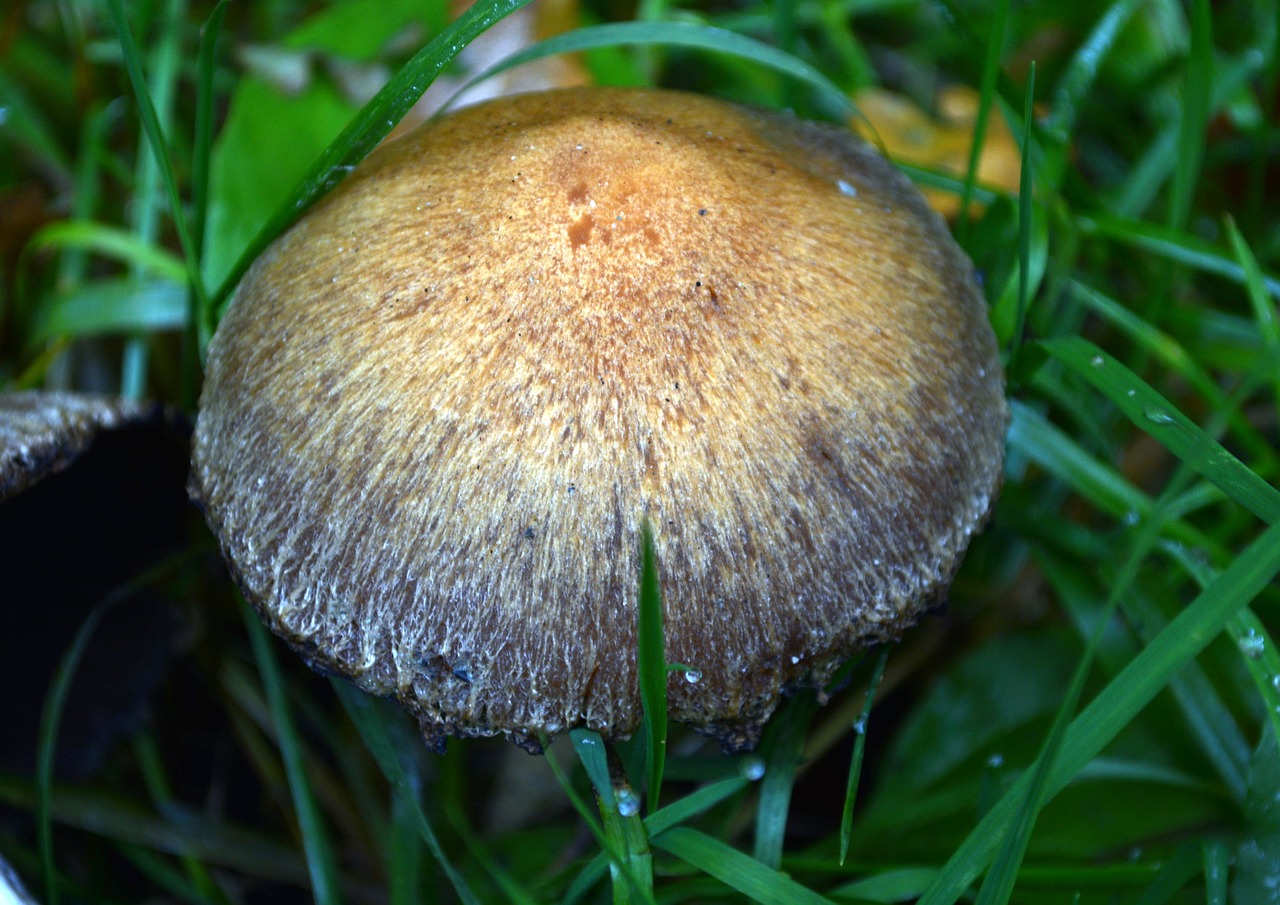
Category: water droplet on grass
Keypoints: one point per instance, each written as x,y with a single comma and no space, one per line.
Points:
1157,415
693,676
628,803
751,768
1253,645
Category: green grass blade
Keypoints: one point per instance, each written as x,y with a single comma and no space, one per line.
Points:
151,765
1119,702
986,101
590,749
111,306
1217,868
321,864
782,751
140,255
25,125
370,125
652,667
1264,309
1154,414
859,747
997,887
1171,245
694,804
1078,79
159,148
1262,660
56,699
1025,193
201,155
681,34
147,202
626,883
50,720
364,713
1197,98
619,810
674,814
735,869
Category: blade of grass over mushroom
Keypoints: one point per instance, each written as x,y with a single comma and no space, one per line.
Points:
1154,414
679,34
369,126
735,869
321,864
1119,702
159,148
652,667
859,747
368,719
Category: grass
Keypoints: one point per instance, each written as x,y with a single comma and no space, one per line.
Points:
1092,718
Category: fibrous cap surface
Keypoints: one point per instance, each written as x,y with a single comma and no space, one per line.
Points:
440,407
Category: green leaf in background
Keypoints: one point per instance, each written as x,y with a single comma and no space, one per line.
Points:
360,29
253,169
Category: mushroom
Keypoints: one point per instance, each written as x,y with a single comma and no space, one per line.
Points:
440,408
42,433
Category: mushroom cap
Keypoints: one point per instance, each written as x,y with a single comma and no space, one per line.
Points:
41,433
441,406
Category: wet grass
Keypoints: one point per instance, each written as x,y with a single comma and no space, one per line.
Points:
1094,715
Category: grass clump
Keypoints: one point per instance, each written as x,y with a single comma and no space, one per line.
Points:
1094,716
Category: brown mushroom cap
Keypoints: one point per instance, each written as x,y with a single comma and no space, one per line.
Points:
441,406
41,433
